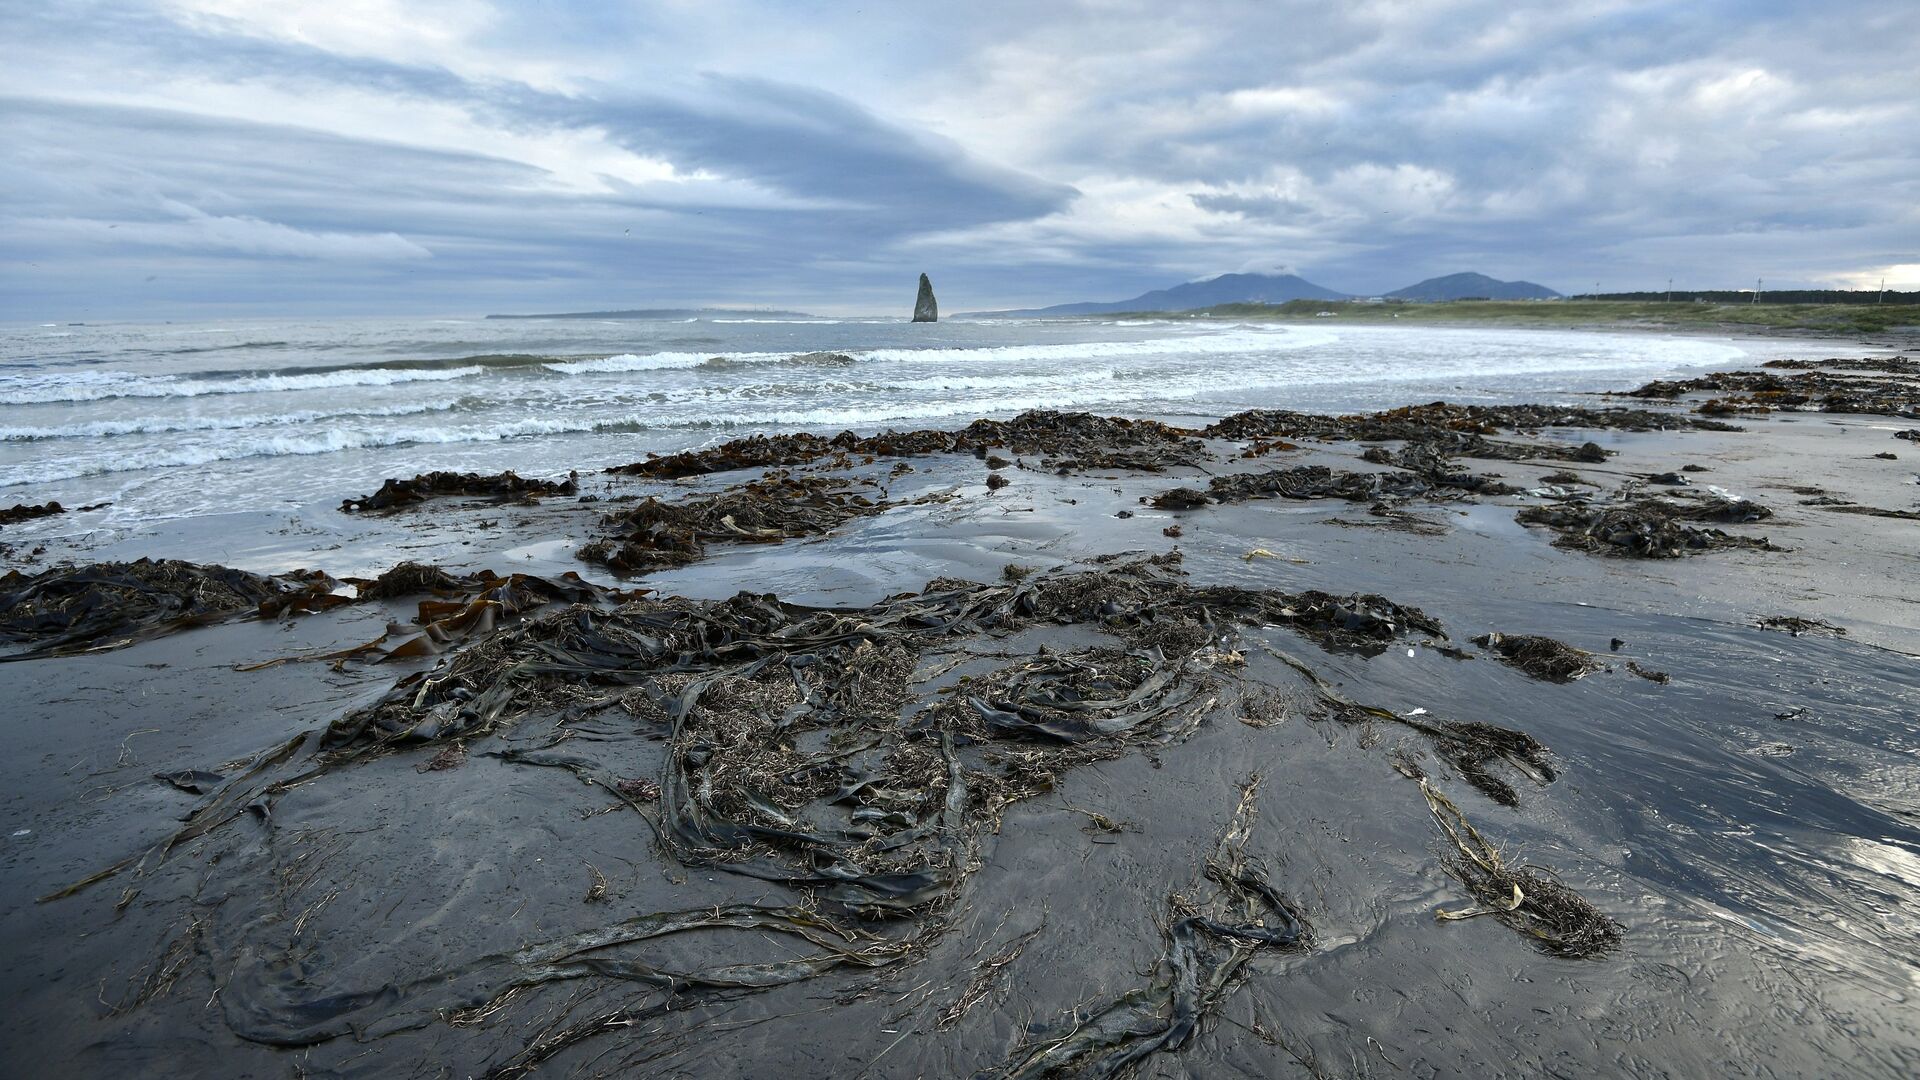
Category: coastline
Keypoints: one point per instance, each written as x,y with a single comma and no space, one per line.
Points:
1709,814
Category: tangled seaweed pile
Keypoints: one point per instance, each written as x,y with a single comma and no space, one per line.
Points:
1892,365
1207,947
1445,430
1525,898
779,506
1764,390
1435,478
74,609
503,486
1063,441
1541,657
833,753
1647,528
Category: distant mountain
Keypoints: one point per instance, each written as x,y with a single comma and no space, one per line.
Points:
1472,287
664,313
1225,289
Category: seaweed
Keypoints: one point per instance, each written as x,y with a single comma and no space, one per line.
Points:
1799,627
19,512
1830,392
1064,442
504,486
1541,657
801,749
1431,476
779,506
1528,899
1208,945
1646,528
68,610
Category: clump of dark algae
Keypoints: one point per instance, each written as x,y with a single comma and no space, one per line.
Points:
1541,657
779,506
1064,442
67,610
19,512
840,768
504,486
1647,528
1816,390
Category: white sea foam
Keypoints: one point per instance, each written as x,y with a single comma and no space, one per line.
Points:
660,361
1246,341
101,385
160,425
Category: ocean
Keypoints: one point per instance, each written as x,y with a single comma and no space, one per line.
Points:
166,420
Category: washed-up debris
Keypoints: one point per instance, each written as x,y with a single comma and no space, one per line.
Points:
409,578
1321,482
1062,441
1884,456
1541,657
506,485
800,749
1435,422
1559,920
463,608
76,609
1739,390
20,512
1179,499
1208,944
1841,506
1646,528
1649,674
1799,627
1892,365
657,535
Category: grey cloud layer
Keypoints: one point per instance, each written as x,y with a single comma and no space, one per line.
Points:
154,160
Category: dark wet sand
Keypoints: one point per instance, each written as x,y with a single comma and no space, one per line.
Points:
1754,823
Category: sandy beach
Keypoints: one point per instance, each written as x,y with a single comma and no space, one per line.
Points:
1178,783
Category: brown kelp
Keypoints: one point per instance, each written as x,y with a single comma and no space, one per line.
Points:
75,609
845,762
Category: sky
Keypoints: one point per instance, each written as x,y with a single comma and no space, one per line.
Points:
274,157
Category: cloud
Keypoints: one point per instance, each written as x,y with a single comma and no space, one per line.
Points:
665,153
194,229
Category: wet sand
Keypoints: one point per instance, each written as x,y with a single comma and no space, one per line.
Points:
1753,823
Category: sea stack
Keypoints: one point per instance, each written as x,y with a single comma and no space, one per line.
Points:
924,308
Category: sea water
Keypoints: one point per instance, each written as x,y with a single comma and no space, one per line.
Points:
176,419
